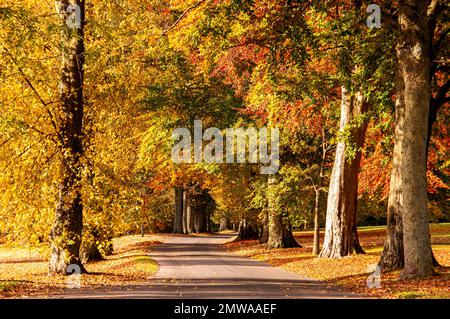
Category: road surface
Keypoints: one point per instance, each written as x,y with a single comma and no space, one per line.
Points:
197,267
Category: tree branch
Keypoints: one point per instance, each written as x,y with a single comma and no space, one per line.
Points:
182,16
45,104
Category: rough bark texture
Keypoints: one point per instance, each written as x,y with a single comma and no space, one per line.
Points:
247,230
67,228
414,55
178,218
341,238
280,232
392,256
280,229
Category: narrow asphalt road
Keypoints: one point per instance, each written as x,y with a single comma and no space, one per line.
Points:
197,267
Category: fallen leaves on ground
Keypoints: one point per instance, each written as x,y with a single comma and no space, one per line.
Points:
24,272
353,271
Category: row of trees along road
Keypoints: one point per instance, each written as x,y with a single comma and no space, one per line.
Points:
354,105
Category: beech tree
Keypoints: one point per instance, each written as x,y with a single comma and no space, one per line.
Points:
66,232
341,237
418,48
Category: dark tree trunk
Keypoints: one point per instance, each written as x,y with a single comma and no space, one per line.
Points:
247,230
280,230
67,228
199,219
280,233
90,251
185,211
264,237
208,221
178,218
341,237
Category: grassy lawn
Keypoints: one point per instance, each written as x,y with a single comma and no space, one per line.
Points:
25,271
353,271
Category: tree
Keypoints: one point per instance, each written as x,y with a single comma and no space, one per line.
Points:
280,230
341,238
414,56
392,256
66,232
408,238
179,204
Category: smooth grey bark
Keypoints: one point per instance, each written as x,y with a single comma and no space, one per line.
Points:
66,232
189,219
341,237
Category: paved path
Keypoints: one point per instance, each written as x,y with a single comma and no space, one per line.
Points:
197,267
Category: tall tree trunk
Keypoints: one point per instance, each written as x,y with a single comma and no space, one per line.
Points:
185,215
189,219
341,238
316,241
199,219
67,228
414,55
280,229
264,237
178,218
318,197
392,257
208,221
224,223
